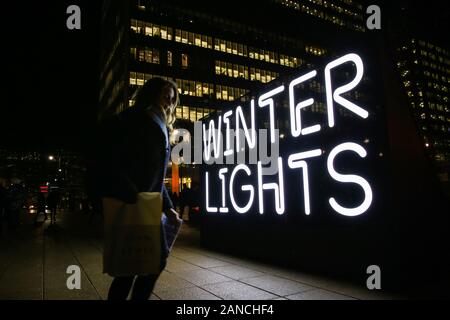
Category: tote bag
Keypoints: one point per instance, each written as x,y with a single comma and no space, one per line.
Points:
132,237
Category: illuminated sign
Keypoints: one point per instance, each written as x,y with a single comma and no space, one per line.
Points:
239,187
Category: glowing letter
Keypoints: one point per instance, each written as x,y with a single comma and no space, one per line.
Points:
266,100
295,111
226,115
222,177
277,188
208,208
251,139
295,161
246,187
216,141
350,212
351,57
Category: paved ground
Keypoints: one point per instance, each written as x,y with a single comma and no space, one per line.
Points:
34,260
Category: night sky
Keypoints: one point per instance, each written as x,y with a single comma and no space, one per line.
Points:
51,73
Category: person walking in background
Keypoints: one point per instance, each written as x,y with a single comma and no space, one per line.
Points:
174,199
52,203
134,158
41,207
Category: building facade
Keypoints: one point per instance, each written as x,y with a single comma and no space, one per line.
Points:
213,59
424,69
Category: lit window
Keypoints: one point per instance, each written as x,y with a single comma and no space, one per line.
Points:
184,60
169,58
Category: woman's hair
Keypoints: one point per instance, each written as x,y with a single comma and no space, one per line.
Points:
147,97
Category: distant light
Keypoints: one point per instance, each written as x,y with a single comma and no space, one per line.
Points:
59,170
366,140
51,158
282,135
427,144
380,154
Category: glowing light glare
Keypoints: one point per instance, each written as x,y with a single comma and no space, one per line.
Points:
296,161
208,208
226,115
351,57
51,158
222,177
277,188
216,141
250,138
346,178
246,187
295,110
266,100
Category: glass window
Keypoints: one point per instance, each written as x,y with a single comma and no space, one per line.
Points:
209,42
155,56
140,79
192,114
224,93
217,67
169,58
198,40
198,89
179,112
185,112
148,30
223,68
156,31
234,48
132,78
148,55
184,60
218,92
258,74
163,32
204,41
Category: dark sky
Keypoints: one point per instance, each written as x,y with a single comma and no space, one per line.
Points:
51,73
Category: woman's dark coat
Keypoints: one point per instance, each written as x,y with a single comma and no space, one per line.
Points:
133,154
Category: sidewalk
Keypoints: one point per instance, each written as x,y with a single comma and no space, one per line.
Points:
33,263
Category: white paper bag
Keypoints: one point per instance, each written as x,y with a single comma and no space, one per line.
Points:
132,239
